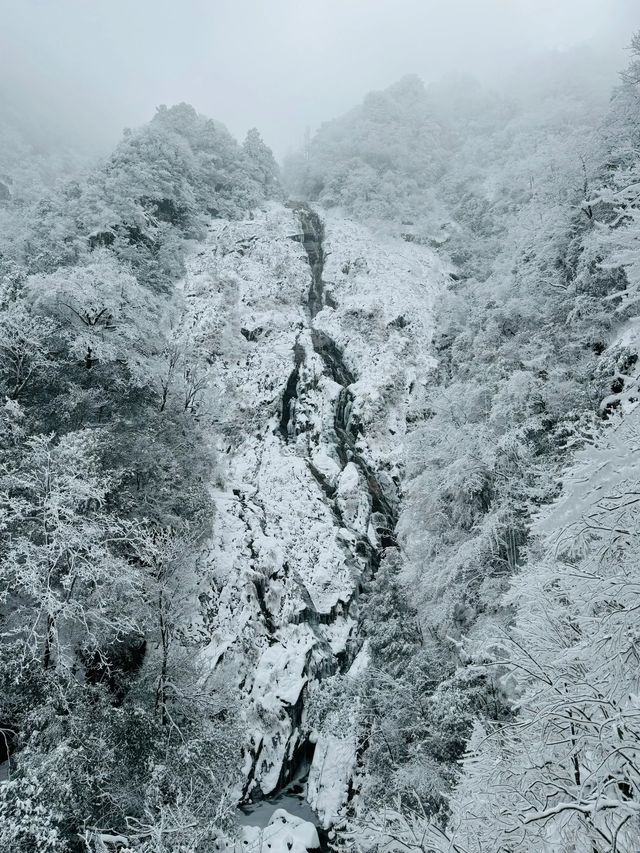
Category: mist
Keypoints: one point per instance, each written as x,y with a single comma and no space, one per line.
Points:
319,469
78,72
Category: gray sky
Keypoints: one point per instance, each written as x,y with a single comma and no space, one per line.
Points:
95,66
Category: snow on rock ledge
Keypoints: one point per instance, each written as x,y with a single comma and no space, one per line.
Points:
285,833
308,414
380,294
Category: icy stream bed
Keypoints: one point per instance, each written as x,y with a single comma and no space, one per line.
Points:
320,342
292,798
284,818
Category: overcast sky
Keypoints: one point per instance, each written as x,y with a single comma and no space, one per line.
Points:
97,66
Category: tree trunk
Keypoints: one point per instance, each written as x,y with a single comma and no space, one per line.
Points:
161,691
47,654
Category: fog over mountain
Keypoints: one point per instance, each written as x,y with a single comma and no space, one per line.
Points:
319,426
85,70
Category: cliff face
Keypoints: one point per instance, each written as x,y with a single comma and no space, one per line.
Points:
321,348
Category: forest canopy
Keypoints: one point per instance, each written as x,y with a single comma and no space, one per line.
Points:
104,466
518,519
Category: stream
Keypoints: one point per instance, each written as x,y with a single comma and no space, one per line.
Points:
383,506
292,797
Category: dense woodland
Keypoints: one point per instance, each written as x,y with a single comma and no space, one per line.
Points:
501,709
104,490
518,521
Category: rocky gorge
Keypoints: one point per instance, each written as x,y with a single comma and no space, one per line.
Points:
323,347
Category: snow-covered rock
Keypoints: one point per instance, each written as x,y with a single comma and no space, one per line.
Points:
333,762
285,833
309,400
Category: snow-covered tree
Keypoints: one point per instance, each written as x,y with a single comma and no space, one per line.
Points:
261,164
64,577
24,342
106,317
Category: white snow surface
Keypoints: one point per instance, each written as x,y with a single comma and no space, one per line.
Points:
333,762
282,561
285,833
385,291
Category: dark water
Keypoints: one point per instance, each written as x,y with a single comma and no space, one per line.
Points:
292,798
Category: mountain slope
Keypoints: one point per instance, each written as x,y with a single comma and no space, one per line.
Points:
321,351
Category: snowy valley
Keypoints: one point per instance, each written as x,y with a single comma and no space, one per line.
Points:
319,486
327,366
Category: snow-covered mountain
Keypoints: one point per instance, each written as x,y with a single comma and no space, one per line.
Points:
318,518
